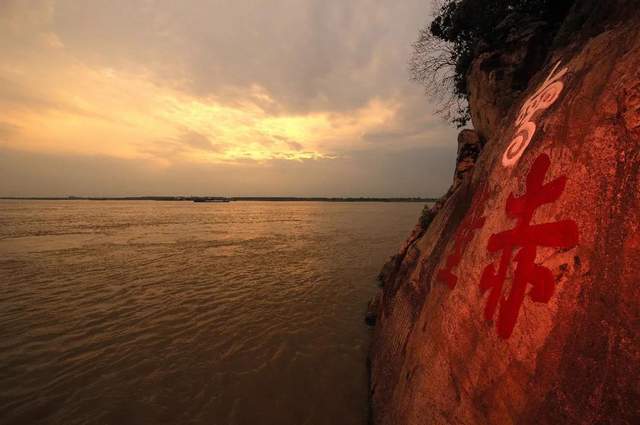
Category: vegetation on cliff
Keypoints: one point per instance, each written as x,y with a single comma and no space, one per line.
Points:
464,29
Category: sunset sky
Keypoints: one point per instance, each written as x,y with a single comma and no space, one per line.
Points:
235,97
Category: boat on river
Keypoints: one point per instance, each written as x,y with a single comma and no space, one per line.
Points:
211,200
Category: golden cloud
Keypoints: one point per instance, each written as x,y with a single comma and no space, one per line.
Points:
64,106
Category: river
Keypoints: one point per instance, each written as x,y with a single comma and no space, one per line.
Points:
146,312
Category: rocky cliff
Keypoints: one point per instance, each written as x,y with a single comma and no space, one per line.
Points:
516,300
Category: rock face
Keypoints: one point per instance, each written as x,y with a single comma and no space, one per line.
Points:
497,78
469,147
518,301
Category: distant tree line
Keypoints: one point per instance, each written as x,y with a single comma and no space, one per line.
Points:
459,32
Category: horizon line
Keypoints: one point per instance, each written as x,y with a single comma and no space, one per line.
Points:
228,198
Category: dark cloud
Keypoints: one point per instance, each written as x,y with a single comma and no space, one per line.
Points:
308,54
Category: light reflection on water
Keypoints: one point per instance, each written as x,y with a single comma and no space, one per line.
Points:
181,313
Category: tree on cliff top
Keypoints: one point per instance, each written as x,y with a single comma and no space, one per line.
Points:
460,31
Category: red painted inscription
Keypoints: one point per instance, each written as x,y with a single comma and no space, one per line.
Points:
525,237
473,221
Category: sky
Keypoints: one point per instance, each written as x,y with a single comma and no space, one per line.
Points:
216,97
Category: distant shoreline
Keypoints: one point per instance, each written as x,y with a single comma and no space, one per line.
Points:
234,198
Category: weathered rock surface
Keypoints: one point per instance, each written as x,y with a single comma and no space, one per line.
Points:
519,301
496,79
470,145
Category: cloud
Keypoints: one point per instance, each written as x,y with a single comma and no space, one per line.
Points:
23,18
7,130
257,90
196,140
308,55
295,145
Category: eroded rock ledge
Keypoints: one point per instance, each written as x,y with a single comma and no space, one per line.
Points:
516,300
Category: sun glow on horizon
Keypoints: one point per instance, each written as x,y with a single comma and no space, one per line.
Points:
105,111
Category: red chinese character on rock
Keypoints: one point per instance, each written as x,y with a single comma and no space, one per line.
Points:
473,221
526,237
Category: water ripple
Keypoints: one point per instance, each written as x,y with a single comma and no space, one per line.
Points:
170,312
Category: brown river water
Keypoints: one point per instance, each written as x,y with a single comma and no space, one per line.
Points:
144,312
